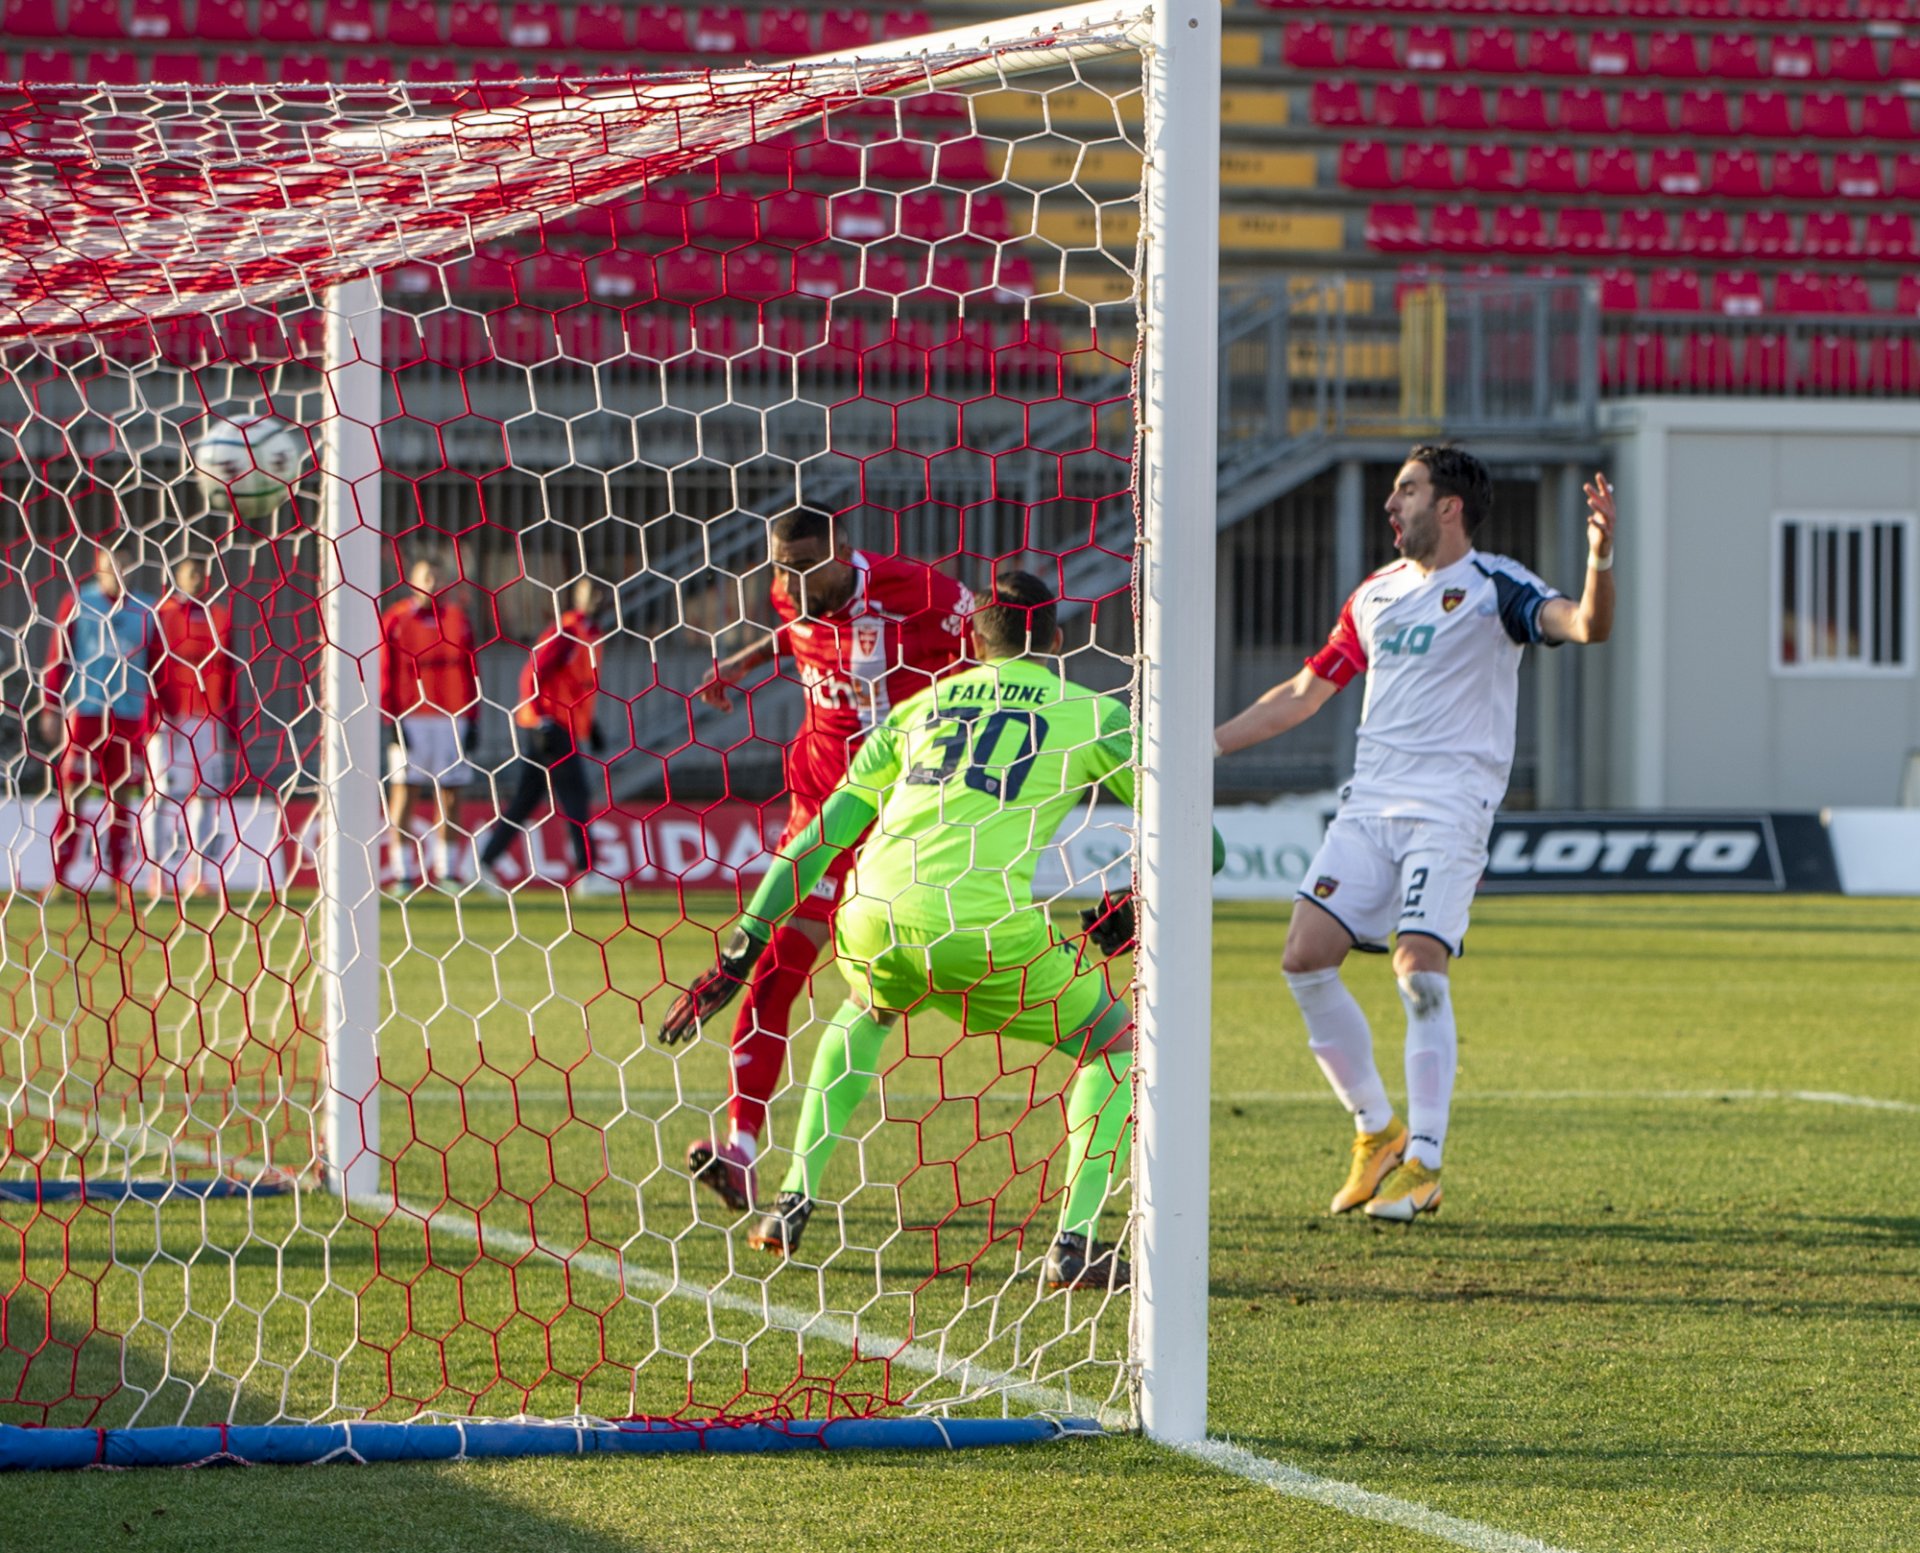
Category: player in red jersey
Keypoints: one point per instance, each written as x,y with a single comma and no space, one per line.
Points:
191,752
430,690
865,632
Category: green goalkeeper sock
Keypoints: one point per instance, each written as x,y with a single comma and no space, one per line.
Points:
1099,1114
844,1068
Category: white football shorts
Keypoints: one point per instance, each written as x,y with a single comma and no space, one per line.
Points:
428,753
189,761
1380,877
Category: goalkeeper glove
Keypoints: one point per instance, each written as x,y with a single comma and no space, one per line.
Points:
1109,926
713,991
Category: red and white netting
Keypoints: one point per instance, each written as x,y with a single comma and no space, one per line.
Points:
621,324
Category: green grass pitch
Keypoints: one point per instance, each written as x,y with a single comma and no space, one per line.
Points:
1670,1302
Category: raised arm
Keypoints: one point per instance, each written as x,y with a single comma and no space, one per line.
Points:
1591,619
727,671
1281,709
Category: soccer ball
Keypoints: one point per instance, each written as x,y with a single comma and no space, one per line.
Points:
248,468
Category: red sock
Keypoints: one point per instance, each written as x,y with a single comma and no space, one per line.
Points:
119,837
766,1020
66,836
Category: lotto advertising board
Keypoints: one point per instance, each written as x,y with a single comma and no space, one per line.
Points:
1657,852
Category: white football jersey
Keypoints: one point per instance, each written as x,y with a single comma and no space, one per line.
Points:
1441,654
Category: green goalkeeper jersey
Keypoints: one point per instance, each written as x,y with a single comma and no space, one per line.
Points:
971,779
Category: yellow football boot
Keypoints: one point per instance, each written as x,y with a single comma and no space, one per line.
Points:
1374,1154
1411,1190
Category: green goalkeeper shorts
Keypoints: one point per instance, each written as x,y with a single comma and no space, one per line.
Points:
1026,985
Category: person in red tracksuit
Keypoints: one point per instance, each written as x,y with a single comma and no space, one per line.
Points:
866,632
430,693
191,752
553,727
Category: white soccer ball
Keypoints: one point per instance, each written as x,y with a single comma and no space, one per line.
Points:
249,468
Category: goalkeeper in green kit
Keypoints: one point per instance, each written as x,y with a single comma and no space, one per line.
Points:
963,785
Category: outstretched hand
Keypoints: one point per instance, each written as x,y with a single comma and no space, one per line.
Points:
1600,516
715,693
714,990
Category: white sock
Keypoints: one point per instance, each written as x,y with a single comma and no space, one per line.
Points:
442,856
1433,1055
1341,1043
746,1143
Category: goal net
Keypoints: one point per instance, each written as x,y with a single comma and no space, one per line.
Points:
338,426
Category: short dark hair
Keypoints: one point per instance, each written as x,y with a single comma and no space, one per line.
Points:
1456,472
802,523
1018,616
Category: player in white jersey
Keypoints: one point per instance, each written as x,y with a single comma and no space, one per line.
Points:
1438,635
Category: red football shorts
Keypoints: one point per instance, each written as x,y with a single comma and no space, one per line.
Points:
102,751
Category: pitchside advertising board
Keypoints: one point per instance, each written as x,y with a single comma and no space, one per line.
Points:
725,846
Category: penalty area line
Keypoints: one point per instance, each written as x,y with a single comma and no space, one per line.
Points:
1361,1503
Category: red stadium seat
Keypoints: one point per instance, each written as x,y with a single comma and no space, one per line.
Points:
1767,116
720,30
660,29
541,25
905,24
1457,229
1704,112
30,19
1705,232
1613,53
1707,364
1584,110
1906,297
1763,364
1644,230
1520,229
844,28
224,20
966,159
1644,112
1581,229
1766,233
1551,170
1885,116
602,28
1853,59
286,21
347,22
980,215
900,161
95,19
1619,290
1673,291
155,21
1828,234
302,67
1309,46
248,69
1852,295
1393,228
724,220
794,219
178,65
1826,116
1493,51
415,24
1797,175
1522,110
1672,54
1738,175
1903,58
1430,48
1792,57
1734,56
1459,107
1676,170
1397,105
476,24
1738,292
1856,176
111,67
1889,237
1614,170
1893,364
1370,46
1365,164
1336,103
1491,168
1799,292
785,31
1640,367
1551,51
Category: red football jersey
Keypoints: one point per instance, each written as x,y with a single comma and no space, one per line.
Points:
561,681
193,671
426,660
903,628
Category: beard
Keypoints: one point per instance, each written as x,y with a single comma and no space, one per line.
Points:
1416,537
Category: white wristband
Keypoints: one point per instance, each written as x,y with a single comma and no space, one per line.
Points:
1600,563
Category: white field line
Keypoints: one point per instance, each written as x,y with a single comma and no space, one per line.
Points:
1362,1503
